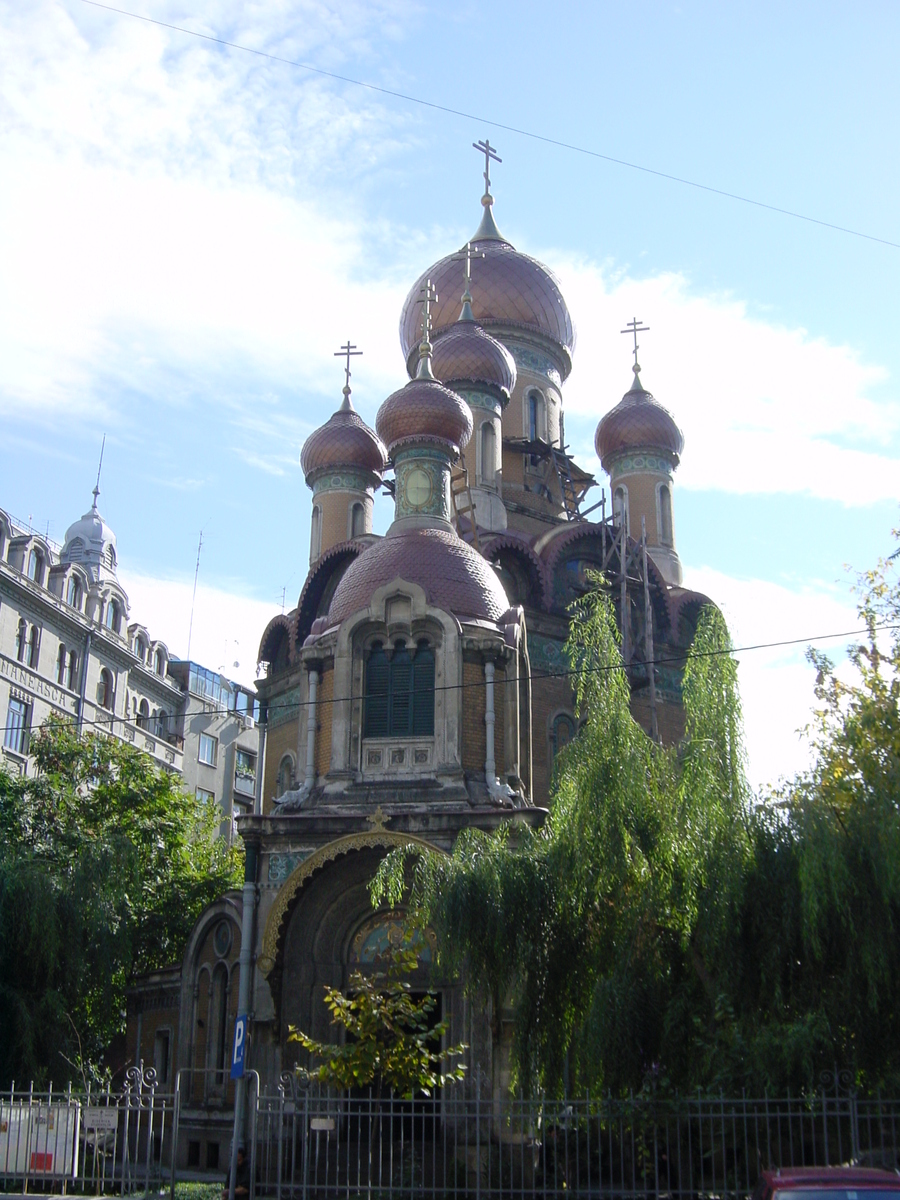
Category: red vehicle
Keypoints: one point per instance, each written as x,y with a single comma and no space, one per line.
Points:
828,1183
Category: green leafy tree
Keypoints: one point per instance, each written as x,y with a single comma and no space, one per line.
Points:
390,1040
105,865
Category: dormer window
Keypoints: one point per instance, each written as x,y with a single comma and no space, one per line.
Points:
111,556
75,549
400,692
36,566
112,616
73,593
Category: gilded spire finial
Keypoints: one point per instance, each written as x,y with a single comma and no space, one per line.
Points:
466,255
634,327
427,296
347,351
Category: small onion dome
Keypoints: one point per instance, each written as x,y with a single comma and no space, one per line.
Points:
454,576
637,422
424,410
466,354
508,288
345,440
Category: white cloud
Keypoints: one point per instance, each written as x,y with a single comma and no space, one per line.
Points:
763,408
777,683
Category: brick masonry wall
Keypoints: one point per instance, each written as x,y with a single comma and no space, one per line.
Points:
279,740
473,732
324,710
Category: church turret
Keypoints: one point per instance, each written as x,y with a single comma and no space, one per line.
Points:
640,446
343,463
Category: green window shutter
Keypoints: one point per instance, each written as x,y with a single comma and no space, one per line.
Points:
400,720
423,691
377,688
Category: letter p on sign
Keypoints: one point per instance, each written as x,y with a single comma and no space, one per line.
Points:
240,1043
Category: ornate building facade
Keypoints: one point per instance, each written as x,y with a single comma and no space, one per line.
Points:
419,686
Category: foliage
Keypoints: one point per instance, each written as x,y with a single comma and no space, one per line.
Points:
662,928
389,1036
105,864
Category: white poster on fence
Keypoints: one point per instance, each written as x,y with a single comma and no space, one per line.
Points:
38,1140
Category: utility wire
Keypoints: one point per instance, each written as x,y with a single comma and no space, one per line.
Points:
600,669
527,133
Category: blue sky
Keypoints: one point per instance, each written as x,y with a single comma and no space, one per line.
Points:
187,232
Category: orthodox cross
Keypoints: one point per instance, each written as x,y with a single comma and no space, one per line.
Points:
347,351
466,255
488,151
635,327
427,296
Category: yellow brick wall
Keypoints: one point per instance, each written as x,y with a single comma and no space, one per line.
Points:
473,733
278,741
324,709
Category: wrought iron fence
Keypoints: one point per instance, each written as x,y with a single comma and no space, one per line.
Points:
467,1143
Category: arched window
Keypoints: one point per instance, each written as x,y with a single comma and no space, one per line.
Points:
36,566
104,689
160,663
143,717
561,733
111,556
71,671
61,666
34,645
162,723
21,640
400,692
357,520
112,616
218,1021
73,593
315,535
535,416
488,452
666,533
285,779
620,506
75,549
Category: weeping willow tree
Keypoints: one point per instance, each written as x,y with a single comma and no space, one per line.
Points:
608,928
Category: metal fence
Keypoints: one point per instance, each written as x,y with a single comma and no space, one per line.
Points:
309,1143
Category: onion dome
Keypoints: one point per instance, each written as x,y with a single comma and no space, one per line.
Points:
465,353
344,441
453,575
638,422
509,290
424,410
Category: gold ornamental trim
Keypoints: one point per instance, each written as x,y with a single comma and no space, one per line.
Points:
328,853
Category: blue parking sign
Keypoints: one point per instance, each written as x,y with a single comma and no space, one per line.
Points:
240,1043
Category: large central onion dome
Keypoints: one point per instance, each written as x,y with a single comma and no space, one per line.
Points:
345,440
453,575
509,290
638,421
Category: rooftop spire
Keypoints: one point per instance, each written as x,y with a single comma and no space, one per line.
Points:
634,327
487,230
347,351
96,491
466,255
427,296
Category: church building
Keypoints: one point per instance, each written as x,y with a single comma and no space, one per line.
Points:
419,687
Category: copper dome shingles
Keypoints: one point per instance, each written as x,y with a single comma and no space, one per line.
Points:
345,440
424,409
452,574
464,353
508,288
638,421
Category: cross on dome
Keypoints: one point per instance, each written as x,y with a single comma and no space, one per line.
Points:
347,351
634,327
466,255
488,151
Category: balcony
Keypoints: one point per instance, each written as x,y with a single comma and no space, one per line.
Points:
245,783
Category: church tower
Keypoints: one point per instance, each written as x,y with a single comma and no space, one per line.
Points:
343,462
639,446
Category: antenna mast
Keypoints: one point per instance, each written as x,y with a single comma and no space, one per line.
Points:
194,597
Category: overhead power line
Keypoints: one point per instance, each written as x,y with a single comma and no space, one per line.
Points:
482,120
536,676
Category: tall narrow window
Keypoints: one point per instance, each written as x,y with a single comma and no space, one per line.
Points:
35,566
400,706
378,672
535,416
112,616
16,736
104,689
61,666
208,748
666,535
423,691
34,645
488,451
315,536
357,520
285,776
21,640
143,716
73,593
71,670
